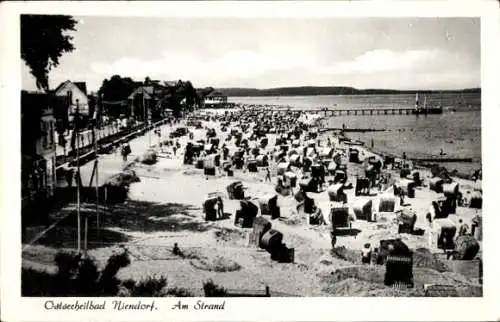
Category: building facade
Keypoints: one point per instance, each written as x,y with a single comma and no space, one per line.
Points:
38,148
76,93
215,100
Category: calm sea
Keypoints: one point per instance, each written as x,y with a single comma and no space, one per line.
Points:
457,131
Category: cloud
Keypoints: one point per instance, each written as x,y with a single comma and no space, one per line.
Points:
233,64
282,67
380,60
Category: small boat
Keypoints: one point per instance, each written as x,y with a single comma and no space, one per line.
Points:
425,109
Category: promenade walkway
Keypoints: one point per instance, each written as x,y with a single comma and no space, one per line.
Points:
111,164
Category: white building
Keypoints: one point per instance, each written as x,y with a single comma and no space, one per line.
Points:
38,146
76,92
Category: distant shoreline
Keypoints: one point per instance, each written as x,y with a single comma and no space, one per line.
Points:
317,90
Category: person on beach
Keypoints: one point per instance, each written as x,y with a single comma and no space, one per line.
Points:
69,176
174,148
268,175
125,151
401,197
366,254
462,228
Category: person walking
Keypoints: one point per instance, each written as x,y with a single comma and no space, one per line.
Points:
69,177
268,175
366,254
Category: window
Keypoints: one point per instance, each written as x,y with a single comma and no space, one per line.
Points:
45,135
51,133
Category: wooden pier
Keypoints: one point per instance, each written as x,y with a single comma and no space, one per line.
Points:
362,111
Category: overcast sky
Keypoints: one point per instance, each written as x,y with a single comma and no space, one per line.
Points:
397,53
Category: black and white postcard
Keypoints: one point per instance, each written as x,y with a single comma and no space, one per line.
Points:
249,161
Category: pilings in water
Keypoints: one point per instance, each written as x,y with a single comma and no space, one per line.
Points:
363,111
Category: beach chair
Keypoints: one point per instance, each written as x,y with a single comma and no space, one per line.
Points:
260,227
406,221
336,193
353,155
362,186
339,216
363,210
446,230
290,179
235,190
245,216
436,184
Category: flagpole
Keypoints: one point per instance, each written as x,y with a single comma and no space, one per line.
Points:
96,168
77,176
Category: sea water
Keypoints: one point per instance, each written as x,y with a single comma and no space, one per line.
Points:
457,132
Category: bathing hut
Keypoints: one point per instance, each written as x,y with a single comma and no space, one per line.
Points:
209,166
311,143
235,190
269,206
272,240
339,216
406,221
326,153
309,185
363,209
446,230
306,164
295,143
245,216
264,142
415,175
387,203
283,167
451,190
466,248
436,184
262,160
336,193
405,186
340,176
332,167
209,206
252,165
399,265
318,172
337,157
307,205
362,186
294,160
209,148
290,179
279,155
354,155
260,227
215,142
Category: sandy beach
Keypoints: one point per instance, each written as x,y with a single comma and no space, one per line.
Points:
165,207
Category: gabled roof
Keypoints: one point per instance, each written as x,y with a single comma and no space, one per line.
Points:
215,93
171,83
82,86
150,91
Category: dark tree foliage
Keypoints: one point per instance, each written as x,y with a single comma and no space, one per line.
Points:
117,88
43,42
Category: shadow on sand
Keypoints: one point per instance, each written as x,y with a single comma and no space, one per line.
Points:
116,221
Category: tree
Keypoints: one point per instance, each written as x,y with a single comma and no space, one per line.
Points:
43,42
116,88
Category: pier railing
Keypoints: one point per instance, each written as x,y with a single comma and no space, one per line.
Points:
361,111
